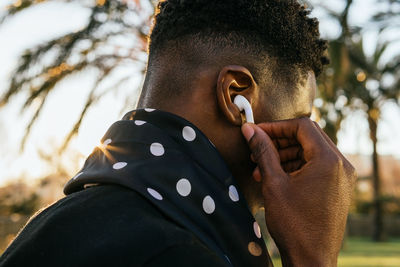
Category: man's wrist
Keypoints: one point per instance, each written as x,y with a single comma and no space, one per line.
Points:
300,262
301,258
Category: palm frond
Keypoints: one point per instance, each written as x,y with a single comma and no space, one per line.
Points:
42,67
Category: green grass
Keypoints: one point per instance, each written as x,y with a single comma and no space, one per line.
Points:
359,252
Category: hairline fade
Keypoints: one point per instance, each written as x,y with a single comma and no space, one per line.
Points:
280,29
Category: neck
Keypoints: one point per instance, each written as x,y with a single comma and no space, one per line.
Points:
208,119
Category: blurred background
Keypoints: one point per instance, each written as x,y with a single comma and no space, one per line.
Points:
70,68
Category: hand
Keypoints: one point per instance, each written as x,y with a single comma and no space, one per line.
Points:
307,186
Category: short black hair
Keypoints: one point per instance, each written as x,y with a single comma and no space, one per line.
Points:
281,29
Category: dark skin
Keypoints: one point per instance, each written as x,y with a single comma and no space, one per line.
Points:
273,151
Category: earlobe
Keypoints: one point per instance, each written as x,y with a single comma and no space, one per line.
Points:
233,81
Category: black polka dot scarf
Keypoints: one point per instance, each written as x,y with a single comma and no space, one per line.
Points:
175,166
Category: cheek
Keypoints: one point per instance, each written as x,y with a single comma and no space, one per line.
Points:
303,105
312,88
313,93
309,100
263,111
304,100
272,108
263,115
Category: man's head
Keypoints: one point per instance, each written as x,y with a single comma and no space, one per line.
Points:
202,53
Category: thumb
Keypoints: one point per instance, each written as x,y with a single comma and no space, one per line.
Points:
263,152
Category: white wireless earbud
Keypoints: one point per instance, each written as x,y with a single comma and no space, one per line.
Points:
243,104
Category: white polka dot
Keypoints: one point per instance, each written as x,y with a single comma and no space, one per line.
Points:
139,122
76,176
183,187
188,133
107,142
208,205
157,149
254,249
149,109
154,193
119,165
257,229
233,193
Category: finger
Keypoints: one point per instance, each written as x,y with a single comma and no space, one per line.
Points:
290,153
292,166
263,151
287,154
327,138
334,147
284,142
303,130
276,144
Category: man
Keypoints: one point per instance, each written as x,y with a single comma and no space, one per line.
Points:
175,182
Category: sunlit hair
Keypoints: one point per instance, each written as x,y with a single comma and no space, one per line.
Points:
280,29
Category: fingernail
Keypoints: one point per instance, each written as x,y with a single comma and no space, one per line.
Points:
257,175
247,131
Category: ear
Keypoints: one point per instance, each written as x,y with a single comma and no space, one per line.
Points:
235,80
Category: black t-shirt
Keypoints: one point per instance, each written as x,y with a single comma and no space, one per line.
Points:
106,225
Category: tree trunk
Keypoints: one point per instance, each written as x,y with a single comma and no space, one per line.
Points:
377,203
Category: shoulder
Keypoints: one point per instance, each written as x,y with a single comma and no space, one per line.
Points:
104,224
192,254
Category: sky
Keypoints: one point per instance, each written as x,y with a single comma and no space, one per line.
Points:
65,104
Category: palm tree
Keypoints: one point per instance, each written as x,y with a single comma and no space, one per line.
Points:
374,91
96,46
359,82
